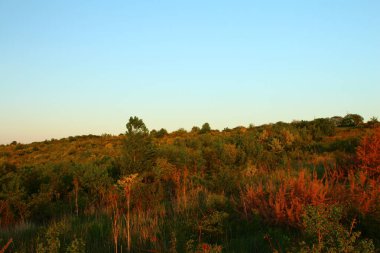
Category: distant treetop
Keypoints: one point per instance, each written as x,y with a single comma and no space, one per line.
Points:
136,126
205,128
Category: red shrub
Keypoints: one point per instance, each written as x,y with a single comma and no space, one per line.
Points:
365,193
368,153
364,184
284,204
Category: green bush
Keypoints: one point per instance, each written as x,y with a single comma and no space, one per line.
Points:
324,232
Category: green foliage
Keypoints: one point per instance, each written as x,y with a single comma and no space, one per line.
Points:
195,129
159,134
205,128
12,195
317,129
50,242
324,127
136,126
76,246
139,150
213,224
325,232
352,120
373,122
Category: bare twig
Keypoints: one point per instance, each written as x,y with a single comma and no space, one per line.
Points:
6,245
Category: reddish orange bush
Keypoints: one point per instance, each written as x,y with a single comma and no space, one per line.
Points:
365,193
368,153
364,184
284,204
6,215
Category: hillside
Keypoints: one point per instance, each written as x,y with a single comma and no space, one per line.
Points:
283,186
91,148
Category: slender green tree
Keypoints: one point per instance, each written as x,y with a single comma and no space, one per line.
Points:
139,151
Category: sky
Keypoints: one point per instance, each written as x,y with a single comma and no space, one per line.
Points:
74,67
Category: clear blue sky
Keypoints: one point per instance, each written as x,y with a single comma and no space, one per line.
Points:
79,67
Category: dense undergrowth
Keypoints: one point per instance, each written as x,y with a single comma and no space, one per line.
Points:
307,186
